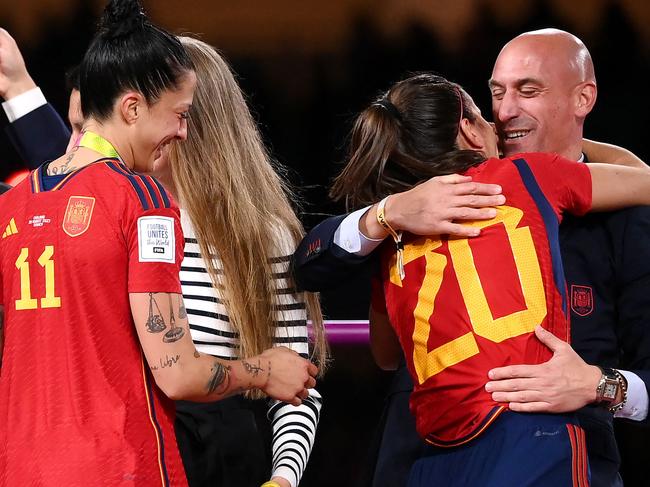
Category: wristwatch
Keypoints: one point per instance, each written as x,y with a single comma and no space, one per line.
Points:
611,381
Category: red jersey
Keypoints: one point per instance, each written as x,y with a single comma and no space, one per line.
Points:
78,405
466,306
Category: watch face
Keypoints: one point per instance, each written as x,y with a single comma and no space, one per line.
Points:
610,391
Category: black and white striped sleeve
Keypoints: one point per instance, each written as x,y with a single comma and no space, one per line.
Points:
294,427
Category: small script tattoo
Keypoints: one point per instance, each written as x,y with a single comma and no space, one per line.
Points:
220,378
252,369
167,362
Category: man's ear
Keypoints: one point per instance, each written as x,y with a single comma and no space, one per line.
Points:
130,106
585,98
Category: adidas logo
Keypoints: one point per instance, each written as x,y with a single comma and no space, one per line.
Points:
11,229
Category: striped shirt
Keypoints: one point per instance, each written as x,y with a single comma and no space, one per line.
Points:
294,428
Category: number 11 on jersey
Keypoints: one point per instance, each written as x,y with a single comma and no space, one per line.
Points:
47,262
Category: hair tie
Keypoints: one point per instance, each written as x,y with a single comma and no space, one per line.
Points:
386,104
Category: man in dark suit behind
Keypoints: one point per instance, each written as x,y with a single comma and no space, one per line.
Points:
35,129
543,86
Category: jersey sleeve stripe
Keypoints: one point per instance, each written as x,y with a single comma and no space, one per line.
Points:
152,192
551,224
154,422
163,193
35,180
134,183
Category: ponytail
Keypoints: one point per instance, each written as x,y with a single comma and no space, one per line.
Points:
404,138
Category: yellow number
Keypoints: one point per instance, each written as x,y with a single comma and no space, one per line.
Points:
26,301
50,300
45,260
431,362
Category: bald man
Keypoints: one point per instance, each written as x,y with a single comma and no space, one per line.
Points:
543,87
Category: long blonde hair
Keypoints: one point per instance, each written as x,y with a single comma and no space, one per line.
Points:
237,203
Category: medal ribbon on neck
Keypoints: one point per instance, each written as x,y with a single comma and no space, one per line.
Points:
93,141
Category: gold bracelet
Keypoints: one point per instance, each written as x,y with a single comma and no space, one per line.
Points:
270,483
397,236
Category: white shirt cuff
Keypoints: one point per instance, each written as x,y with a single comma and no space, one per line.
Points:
349,237
636,406
24,103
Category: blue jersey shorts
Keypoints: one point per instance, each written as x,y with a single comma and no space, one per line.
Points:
517,450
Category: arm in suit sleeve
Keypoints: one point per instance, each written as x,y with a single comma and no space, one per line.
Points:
318,263
39,135
633,300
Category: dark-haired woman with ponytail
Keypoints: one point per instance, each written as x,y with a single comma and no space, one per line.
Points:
95,341
456,307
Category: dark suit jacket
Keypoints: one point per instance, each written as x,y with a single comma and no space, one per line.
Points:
607,265
39,136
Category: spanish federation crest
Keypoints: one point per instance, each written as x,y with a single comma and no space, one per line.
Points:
582,300
78,214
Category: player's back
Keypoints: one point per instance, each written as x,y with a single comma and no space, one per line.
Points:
77,401
466,306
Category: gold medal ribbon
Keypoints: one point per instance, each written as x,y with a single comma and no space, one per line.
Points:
93,141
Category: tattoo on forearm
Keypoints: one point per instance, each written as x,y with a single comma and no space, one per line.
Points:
155,320
182,312
168,362
220,378
176,332
252,369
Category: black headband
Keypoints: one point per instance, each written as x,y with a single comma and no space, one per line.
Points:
389,107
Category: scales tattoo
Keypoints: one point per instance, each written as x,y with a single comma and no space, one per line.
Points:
176,332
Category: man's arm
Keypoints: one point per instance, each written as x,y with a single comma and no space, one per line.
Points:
611,154
181,372
328,256
35,128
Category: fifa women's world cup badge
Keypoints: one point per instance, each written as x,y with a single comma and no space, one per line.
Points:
78,214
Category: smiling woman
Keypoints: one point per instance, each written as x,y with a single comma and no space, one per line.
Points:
96,338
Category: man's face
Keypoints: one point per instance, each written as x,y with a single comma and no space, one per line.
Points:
532,99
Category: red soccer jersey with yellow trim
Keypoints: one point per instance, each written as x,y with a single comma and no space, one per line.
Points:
466,306
78,405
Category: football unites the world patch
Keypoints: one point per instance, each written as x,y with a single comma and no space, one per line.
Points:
156,239
78,214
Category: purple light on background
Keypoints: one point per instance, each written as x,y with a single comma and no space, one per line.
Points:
346,332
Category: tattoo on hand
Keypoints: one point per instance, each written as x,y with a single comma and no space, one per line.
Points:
155,320
252,369
176,332
168,362
220,378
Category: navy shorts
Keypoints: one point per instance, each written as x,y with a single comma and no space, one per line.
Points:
518,450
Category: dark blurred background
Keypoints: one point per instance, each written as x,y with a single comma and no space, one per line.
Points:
308,67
